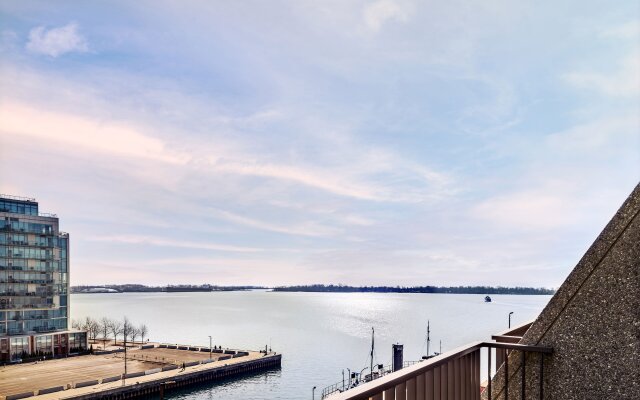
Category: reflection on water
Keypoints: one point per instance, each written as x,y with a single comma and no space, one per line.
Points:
319,334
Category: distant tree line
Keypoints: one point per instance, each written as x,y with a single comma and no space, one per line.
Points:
106,329
415,289
144,288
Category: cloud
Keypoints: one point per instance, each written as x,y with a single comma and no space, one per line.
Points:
306,229
305,176
57,41
627,30
156,241
529,209
624,82
382,11
85,134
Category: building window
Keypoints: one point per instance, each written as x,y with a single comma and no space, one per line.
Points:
44,345
19,347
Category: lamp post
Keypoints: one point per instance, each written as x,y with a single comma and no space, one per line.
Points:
361,372
210,348
510,318
313,393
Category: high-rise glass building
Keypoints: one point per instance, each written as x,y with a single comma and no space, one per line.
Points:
34,283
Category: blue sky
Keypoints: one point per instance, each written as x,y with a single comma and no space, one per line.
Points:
358,142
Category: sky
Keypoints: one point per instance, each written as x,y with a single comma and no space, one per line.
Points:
383,142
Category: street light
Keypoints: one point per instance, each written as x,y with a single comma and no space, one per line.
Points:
361,376
313,393
510,318
210,351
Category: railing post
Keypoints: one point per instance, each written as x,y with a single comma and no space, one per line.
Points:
401,391
476,368
429,384
436,383
470,376
451,379
457,382
443,381
489,373
390,394
411,389
464,373
420,386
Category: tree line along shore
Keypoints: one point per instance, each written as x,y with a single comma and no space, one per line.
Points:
416,289
318,288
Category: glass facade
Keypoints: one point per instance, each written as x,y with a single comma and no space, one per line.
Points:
77,342
15,206
34,270
44,345
19,347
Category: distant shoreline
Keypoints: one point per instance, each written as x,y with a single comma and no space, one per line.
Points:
417,289
517,290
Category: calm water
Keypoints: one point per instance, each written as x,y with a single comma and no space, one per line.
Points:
319,334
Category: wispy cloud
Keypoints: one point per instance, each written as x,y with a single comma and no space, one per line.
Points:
624,81
159,241
381,12
83,134
55,42
626,30
309,228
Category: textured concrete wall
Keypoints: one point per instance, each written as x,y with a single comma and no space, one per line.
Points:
592,323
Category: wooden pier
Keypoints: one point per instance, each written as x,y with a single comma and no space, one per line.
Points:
150,370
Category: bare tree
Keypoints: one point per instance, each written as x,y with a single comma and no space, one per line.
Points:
127,329
86,324
91,326
105,324
135,332
94,329
116,328
75,324
143,331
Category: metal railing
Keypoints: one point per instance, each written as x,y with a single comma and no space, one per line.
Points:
452,375
351,383
20,198
25,243
45,214
27,281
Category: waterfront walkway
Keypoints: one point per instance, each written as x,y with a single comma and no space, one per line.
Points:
69,372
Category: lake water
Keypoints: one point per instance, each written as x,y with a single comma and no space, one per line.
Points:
319,334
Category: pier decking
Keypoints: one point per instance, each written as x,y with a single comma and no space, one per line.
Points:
100,376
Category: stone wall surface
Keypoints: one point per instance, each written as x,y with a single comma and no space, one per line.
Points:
592,323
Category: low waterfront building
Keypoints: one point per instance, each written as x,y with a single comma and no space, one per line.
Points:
34,284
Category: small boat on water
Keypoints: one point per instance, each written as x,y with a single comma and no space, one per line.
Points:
487,299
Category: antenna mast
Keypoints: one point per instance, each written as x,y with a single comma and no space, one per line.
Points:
372,347
428,338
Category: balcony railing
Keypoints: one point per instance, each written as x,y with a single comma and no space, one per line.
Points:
27,281
452,375
20,198
24,243
30,306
